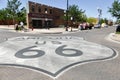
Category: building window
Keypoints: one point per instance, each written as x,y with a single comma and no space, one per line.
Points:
39,9
45,10
33,8
50,11
57,17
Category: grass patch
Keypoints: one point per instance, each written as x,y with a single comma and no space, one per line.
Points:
117,32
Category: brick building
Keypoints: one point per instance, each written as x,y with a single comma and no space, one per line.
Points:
44,16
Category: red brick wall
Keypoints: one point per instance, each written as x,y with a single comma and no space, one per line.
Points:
56,16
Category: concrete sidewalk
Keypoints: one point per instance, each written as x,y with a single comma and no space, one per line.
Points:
114,37
43,31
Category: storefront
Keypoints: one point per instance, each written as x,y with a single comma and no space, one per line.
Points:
41,20
43,16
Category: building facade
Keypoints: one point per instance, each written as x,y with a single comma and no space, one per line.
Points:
44,16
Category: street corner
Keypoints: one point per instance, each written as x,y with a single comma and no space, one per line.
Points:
114,37
51,55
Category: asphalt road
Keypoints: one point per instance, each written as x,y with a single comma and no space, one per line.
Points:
99,70
107,70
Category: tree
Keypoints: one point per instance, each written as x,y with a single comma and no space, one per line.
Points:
13,12
106,20
92,20
13,9
22,15
3,14
84,18
115,9
77,14
102,21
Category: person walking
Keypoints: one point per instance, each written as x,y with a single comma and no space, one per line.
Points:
16,27
22,25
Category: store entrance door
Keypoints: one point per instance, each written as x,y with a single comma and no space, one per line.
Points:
37,23
48,24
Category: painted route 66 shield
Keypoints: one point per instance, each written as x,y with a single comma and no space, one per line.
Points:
51,55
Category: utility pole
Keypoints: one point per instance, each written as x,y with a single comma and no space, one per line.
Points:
67,16
99,15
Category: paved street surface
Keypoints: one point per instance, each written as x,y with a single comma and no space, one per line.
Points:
79,55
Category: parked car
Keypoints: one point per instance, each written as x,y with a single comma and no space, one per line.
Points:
104,25
86,26
118,28
90,26
97,26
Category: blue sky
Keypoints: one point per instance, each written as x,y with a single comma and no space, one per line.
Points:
90,6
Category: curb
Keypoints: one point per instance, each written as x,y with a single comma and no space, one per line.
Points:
115,37
112,37
54,31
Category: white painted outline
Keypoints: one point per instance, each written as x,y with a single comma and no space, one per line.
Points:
68,68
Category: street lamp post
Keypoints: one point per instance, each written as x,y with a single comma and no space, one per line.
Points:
27,15
67,17
72,22
46,20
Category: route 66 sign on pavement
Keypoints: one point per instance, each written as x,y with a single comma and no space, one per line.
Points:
51,55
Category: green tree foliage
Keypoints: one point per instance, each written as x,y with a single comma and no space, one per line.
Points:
13,12
22,15
3,14
106,20
92,20
77,15
103,20
82,17
115,9
13,8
